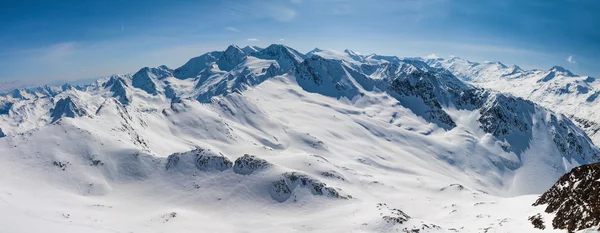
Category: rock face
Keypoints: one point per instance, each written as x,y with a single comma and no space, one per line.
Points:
232,56
118,88
574,199
429,90
327,77
203,159
66,108
251,49
285,56
281,190
508,118
5,107
2,133
144,79
249,164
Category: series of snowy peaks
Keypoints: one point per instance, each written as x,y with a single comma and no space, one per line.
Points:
344,74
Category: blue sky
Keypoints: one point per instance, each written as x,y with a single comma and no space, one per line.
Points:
50,40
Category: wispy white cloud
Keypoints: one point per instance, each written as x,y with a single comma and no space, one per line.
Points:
571,60
281,13
253,39
57,52
281,39
232,29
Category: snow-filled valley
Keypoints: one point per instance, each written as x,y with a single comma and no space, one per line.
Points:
273,140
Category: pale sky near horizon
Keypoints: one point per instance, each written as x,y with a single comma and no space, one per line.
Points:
51,40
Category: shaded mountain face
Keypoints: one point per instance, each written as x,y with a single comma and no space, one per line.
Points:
574,199
557,88
66,108
195,65
118,86
145,78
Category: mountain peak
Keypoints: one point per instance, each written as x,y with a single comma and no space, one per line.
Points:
194,66
556,71
117,87
233,48
351,52
143,79
66,108
561,70
249,49
232,56
285,56
497,63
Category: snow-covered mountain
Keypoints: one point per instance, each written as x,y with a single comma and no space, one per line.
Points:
557,88
246,137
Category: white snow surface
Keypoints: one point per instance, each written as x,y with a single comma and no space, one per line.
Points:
557,88
174,155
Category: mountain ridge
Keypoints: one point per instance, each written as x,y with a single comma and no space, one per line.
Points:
327,133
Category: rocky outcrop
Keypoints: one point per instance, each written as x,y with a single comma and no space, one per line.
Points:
574,199
249,164
281,190
203,159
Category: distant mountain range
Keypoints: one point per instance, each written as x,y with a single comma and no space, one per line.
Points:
247,137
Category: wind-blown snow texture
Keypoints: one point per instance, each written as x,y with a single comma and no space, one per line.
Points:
241,139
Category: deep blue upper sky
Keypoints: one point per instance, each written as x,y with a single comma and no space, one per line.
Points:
49,40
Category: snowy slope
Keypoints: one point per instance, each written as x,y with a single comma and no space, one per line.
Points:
235,141
557,88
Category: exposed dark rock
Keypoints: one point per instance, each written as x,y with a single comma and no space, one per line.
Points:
574,199
508,118
593,97
392,215
232,56
204,160
5,107
249,164
66,108
537,221
286,57
118,88
281,190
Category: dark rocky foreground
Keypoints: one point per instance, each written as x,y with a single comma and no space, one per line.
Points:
574,199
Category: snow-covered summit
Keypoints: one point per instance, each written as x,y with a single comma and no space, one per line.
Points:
249,49
274,133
